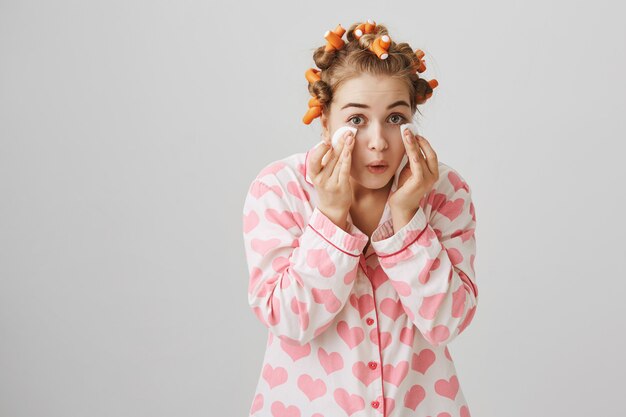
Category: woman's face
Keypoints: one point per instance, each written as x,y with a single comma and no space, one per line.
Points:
376,106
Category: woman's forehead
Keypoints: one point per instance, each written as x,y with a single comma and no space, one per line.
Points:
371,91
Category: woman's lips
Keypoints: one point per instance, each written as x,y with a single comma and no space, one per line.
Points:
377,169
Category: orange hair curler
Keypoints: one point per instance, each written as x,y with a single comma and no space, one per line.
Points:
363,28
312,75
333,38
380,46
421,65
315,110
433,84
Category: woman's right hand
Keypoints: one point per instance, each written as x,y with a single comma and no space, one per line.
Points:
332,180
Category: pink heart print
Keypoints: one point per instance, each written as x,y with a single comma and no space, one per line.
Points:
364,304
391,308
286,219
414,396
438,334
430,305
396,374
452,209
458,301
258,189
328,298
294,349
272,169
297,191
457,182
300,309
257,404
422,361
351,335
377,276
447,388
385,338
250,221
331,362
351,403
312,388
280,410
274,376
389,404
406,335
363,373
319,258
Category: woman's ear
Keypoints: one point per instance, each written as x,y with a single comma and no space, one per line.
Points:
324,122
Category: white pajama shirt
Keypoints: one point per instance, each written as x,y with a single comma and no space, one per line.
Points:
351,333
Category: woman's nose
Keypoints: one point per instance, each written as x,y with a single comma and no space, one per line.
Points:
377,140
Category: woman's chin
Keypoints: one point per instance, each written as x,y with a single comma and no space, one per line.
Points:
373,181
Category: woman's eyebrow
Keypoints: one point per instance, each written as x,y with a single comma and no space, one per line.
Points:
365,106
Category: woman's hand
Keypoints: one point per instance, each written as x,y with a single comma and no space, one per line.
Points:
332,180
417,177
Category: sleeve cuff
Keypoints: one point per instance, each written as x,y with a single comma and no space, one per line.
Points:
385,242
352,242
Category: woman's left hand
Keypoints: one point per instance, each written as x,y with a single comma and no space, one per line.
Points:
418,175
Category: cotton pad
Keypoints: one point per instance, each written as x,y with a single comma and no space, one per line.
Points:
340,132
413,128
335,140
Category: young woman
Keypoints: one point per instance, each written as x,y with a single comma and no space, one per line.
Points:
362,275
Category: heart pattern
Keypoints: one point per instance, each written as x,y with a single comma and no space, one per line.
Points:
350,334
312,388
350,403
447,387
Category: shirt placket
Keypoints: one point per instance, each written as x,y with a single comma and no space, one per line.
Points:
372,321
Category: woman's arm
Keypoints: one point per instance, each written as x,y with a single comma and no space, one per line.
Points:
301,271
431,264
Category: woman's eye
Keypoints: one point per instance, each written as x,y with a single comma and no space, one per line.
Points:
354,117
402,118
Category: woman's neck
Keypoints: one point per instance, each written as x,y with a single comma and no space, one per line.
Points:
362,194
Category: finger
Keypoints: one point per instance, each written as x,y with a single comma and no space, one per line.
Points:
314,159
430,155
413,152
336,153
343,169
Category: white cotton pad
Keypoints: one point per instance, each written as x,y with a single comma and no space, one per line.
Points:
340,132
413,128
335,140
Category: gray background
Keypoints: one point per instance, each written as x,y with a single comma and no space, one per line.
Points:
130,132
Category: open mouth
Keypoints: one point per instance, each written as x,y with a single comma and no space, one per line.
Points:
377,169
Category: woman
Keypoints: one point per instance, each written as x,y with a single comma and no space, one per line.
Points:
362,275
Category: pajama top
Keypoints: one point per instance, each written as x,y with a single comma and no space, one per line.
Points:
353,334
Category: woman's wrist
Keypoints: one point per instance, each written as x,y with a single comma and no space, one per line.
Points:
338,217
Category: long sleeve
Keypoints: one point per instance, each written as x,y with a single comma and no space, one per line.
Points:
431,262
301,271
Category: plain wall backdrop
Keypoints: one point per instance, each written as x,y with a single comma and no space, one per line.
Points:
130,132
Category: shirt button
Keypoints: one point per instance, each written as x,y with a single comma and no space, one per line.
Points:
370,321
375,404
372,365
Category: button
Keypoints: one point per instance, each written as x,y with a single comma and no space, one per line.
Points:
370,321
372,365
375,404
